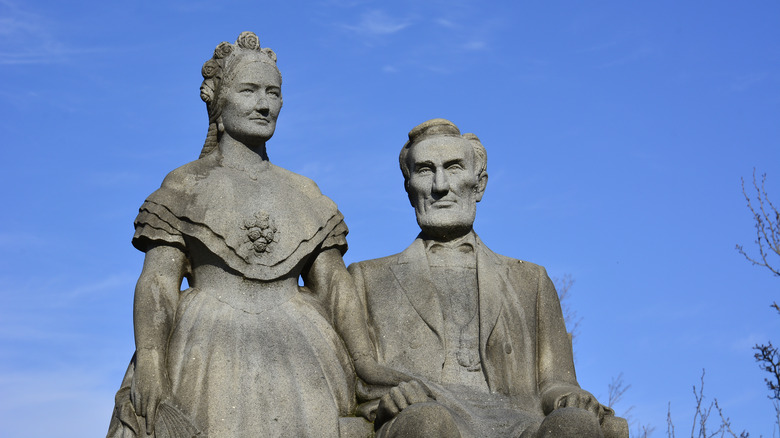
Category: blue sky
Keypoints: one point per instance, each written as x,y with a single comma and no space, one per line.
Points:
617,134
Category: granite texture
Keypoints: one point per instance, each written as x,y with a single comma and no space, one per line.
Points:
482,334
445,339
244,351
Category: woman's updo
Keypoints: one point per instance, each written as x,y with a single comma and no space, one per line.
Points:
218,70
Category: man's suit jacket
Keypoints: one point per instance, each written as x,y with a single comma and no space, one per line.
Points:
523,344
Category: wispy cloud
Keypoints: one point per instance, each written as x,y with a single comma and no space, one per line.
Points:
598,47
21,240
632,55
378,23
747,342
194,6
344,3
475,45
476,35
40,294
744,82
124,281
444,22
26,38
115,178
62,394
15,22
318,171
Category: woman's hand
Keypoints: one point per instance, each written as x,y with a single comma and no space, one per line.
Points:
150,386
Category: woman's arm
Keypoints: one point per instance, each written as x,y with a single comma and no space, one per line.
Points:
154,308
329,279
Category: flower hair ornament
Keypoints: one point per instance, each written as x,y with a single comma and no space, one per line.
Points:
216,70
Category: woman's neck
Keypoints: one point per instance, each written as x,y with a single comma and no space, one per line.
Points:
234,151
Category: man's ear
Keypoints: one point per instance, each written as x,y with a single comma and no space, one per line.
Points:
481,185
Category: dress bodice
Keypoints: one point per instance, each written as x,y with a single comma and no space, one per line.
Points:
262,221
245,330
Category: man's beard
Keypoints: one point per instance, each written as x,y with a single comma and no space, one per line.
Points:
446,224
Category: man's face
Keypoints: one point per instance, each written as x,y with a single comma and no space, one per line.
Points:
444,187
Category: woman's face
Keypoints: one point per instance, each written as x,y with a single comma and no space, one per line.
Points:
251,102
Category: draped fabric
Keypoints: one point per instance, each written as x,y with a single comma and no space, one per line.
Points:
262,361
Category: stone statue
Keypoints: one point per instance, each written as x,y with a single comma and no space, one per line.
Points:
245,350
483,334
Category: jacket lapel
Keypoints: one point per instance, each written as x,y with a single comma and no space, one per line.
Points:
414,276
492,289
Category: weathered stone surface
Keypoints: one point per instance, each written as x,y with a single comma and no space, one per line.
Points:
244,351
445,339
482,334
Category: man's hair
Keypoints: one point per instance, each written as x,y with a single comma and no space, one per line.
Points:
440,127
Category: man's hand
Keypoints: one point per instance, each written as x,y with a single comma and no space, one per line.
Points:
399,397
581,399
149,387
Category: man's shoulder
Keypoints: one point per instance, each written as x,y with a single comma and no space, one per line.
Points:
519,264
523,275
411,254
513,263
373,264
374,276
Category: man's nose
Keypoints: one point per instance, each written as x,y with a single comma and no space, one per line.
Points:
441,184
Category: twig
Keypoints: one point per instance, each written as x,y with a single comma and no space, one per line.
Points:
767,224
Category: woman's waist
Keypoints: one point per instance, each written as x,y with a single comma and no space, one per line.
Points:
245,294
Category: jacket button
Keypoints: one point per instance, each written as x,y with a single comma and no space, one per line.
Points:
508,348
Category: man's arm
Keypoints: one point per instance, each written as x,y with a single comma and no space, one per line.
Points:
557,380
391,400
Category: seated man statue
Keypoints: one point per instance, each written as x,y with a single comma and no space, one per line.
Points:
483,334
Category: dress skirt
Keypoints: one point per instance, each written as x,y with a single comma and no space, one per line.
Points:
258,365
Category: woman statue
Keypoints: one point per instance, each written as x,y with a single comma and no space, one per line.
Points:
244,351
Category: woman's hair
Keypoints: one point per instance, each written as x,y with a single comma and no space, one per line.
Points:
218,71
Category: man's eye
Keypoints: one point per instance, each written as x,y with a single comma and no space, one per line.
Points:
424,170
454,167
247,91
275,93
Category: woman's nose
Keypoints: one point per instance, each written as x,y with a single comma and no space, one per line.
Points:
262,103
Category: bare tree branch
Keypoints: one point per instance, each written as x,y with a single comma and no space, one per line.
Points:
563,286
615,392
726,424
617,388
701,416
642,431
768,358
767,224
